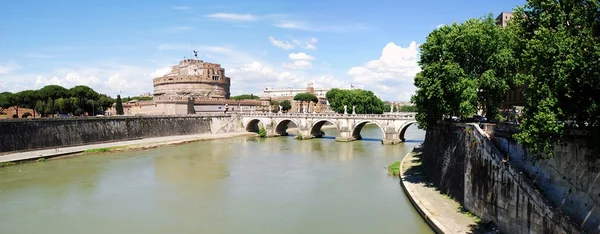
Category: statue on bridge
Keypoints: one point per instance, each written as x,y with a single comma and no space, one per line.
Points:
270,109
315,108
345,109
280,110
353,110
392,111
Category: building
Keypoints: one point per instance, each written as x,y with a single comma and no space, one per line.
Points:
192,87
11,112
503,18
289,92
192,78
271,95
513,98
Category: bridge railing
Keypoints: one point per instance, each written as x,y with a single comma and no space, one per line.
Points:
408,116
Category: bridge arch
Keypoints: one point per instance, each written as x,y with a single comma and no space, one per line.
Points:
360,125
282,126
315,129
403,128
253,125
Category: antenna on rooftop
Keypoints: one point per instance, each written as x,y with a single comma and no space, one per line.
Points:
196,54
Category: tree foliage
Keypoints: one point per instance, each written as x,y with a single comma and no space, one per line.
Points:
138,98
465,68
286,105
559,44
119,106
54,99
245,97
306,97
365,101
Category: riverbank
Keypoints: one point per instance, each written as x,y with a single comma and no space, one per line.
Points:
443,214
140,144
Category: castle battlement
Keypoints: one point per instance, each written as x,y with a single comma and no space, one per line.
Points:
192,78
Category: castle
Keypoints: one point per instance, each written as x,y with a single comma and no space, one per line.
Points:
193,86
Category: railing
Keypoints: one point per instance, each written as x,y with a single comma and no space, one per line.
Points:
331,115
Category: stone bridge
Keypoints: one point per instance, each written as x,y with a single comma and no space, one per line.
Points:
393,125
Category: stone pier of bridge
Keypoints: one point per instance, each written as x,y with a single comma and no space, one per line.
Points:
349,126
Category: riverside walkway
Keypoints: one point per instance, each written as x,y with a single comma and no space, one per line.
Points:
440,212
142,143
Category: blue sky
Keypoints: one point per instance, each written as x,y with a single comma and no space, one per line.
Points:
119,46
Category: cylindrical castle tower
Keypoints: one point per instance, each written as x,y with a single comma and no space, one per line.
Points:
192,78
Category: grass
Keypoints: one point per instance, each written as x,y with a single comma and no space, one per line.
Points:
394,169
41,160
99,150
6,164
463,210
300,137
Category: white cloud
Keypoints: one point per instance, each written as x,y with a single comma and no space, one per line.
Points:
2,86
440,25
232,17
281,44
181,8
298,64
293,25
392,74
8,67
254,77
301,56
288,45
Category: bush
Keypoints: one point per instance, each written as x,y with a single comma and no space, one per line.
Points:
394,169
262,132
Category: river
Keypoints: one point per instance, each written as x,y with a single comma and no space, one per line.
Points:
239,185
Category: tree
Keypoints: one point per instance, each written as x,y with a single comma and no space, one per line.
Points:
119,106
466,68
364,101
49,107
5,101
286,105
54,92
15,101
306,97
559,48
245,97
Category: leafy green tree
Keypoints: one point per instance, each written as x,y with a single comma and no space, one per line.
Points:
407,109
53,91
465,68
559,47
63,106
119,106
40,107
127,99
49,107
365,101
245,97
306,97
286,105
105,102
5,101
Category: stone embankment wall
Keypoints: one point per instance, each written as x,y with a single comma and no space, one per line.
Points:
463,162
570,180
30,134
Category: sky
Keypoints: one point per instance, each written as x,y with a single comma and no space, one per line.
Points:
119,46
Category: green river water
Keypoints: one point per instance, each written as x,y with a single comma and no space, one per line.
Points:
239,185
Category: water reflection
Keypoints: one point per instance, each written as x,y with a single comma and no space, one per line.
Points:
241,185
